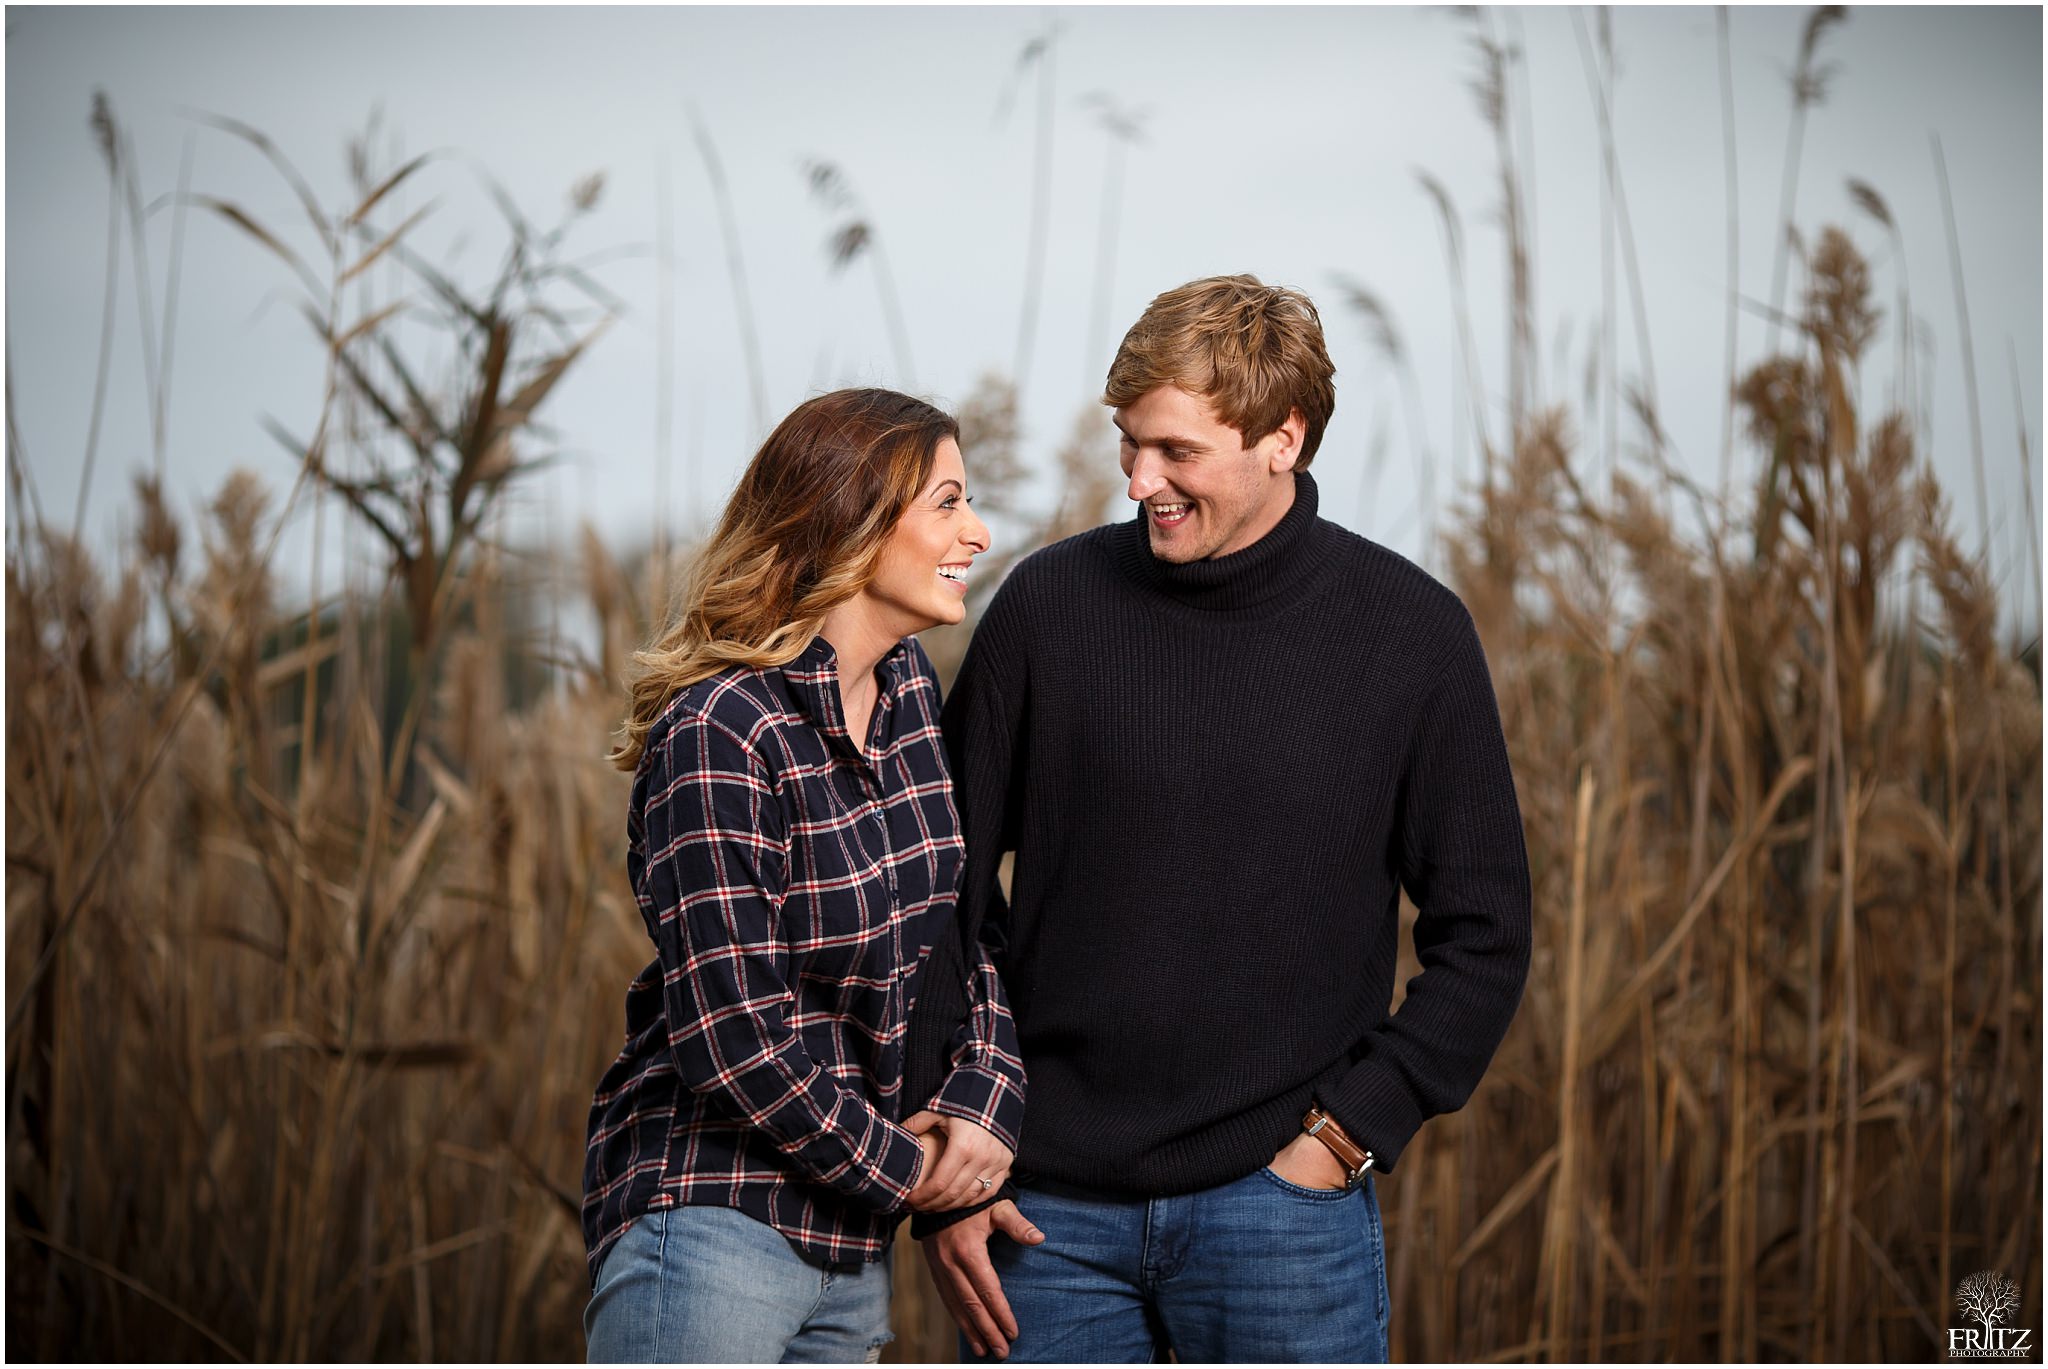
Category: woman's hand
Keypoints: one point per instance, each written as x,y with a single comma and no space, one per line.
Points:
968,1154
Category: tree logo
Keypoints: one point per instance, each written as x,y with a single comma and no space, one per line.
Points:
1988,1298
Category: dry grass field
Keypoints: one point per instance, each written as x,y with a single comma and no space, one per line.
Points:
317,922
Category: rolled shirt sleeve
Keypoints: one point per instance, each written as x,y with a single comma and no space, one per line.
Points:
985,1084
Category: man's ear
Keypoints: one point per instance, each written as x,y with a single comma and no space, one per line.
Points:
1284,443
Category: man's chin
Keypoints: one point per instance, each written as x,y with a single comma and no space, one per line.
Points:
1176,550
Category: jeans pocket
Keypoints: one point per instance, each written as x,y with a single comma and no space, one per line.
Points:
1288,1186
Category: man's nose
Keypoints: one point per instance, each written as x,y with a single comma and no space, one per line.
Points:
1146,480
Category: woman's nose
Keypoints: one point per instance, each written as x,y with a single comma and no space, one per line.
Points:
976,534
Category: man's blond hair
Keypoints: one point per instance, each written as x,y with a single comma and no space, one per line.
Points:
1254,351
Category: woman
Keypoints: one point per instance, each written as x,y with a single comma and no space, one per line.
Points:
794,848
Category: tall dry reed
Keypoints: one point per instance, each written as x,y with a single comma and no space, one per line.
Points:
1775,1083
305,905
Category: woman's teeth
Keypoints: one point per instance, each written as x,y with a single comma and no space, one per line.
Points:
957,574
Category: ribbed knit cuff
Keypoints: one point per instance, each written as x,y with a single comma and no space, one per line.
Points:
1375,1109
925,1225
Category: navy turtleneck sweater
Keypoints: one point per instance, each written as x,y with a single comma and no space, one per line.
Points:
1217,778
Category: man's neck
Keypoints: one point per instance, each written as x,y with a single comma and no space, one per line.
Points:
1269,518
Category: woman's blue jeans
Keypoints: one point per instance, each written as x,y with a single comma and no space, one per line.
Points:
706,1285
1259,1270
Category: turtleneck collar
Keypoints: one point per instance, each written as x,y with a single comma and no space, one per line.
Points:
1269,571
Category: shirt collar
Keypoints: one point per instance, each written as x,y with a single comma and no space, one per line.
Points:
814,679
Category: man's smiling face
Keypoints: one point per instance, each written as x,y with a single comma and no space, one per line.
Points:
1205,492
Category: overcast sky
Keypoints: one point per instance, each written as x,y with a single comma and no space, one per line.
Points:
1279,141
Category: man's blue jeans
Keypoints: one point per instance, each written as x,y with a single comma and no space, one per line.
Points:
710,1285
1257,1270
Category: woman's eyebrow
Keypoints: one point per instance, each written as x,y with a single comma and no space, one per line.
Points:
949,480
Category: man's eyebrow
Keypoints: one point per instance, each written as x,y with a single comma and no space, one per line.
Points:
1186,443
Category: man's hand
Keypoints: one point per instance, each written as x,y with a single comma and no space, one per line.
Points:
958,1260
968,1155
1309,1163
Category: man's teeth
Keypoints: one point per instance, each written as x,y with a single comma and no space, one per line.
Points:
1168,510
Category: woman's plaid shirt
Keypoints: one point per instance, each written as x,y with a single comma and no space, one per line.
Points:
792,886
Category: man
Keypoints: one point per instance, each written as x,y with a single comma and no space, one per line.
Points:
1221,739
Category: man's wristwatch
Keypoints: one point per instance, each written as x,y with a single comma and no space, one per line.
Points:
1354,1157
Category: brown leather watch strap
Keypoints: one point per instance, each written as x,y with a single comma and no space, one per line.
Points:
1355,1158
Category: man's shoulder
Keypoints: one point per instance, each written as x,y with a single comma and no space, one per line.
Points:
1045,574
1394,574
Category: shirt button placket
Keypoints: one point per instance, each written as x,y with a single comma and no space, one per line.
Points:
871,786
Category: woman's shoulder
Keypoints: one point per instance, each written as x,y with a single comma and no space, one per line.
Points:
705,753
730,710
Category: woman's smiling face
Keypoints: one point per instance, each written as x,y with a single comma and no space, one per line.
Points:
921,578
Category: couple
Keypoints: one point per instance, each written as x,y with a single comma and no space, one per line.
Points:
1220,739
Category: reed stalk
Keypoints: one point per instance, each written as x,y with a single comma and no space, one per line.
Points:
1042,53
1809,88
735,269
1969,351
1733,288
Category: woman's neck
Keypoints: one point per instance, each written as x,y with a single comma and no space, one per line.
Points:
860,639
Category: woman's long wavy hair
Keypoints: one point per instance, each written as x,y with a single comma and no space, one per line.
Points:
800,536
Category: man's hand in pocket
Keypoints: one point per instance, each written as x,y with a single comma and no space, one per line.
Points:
1309,1163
